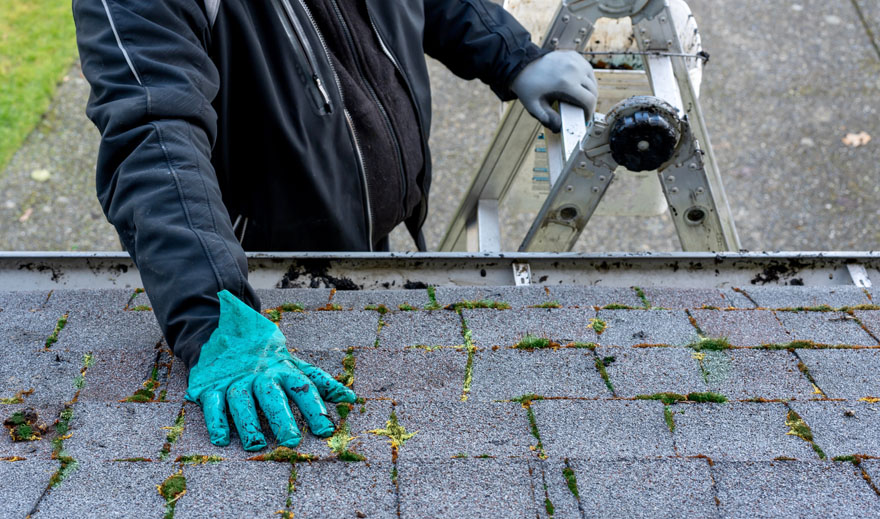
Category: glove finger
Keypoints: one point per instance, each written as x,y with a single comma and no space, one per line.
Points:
273,402
214,408
329,388
580,97
305,395
244,415
551,118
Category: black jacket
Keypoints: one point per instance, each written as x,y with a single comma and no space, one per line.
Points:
207,117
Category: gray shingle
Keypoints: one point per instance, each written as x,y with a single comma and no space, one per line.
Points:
632,327
742,328
310,298
359,299
118,330
645,371
176,383
825,328
794,296
32,450
850,374
474,429
516,297
82,302
871,320
22,301
649,489
507,327
50,374
330,330
410,374
691,298
123,488
403,329
838,433
505,374
792,489
107,431
737,431
743,374
116,375
590,296
603,430
338,489
466,488
234,489
25,330
23,485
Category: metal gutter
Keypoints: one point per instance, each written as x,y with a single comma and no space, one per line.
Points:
91,270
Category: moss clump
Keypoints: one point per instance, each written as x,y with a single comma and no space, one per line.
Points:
708,344
18,398
174,433
348,364
273,315
642,296
601,364
343,410
819,308
68,465
406,307
283,455
548,505
460,455
479,304
292,307
24,427
432,300
527,399
147,393
618,306
395,432
382,309
330,307
793,345
53,337
547,304
469,366
850,458
171,490
135,460
666,398
669,418
582,345
798,427
141,308
338,444
571,480
197,459
715,398
533,342
598,325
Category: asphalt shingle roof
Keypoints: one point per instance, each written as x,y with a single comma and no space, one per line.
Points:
575,429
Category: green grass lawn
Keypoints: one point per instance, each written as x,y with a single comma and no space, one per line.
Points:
37,46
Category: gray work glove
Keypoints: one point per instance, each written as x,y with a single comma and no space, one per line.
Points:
562,75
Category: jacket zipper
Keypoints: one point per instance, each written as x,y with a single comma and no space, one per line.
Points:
357,149
412,97
295,30
363,170
382,111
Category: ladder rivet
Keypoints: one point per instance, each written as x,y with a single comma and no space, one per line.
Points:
693,165
582,165
595,189
566,18
662,19
577,41
673,190
602,178
569,188
700,190
670,178
554,41
582,31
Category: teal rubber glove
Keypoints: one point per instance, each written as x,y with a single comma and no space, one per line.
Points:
247,357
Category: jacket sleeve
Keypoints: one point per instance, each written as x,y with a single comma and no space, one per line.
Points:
152,87
478,39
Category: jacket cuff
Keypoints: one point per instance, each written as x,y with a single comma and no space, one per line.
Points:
519,59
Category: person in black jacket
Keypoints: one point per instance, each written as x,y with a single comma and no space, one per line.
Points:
296,125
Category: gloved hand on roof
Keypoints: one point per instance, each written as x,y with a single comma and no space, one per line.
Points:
246,362
561,75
